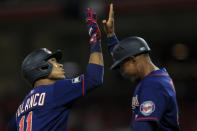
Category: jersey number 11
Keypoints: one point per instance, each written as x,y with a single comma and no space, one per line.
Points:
28,120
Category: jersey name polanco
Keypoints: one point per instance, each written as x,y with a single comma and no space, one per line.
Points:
33,101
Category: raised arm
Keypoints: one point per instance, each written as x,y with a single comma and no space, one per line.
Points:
95,69
108,26
93,77
96,56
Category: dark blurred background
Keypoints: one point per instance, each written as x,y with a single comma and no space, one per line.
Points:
169,26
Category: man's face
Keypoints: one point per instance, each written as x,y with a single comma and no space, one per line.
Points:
57,70
129,69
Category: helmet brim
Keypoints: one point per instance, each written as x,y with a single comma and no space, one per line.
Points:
116,64
57,54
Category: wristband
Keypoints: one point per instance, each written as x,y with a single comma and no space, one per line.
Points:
95,48
111,41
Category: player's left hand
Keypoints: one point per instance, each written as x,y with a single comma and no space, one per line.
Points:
108,25
93,29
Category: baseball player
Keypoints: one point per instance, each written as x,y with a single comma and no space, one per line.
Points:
47,106
154,103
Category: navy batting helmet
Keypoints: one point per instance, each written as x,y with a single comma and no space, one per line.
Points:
35,65
131,46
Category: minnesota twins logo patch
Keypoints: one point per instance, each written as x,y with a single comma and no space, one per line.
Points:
147,108
76,80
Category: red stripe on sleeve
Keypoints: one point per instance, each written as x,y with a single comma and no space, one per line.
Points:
83,85
159,75
147,118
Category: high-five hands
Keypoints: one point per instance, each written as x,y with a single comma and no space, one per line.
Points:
108,25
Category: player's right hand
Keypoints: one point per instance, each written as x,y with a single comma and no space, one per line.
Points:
108,25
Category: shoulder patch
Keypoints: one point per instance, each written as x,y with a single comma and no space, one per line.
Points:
76,80
147,108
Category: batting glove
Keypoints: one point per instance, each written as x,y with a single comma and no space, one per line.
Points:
93,29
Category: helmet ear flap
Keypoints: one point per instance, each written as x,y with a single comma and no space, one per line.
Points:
43,71
44,68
